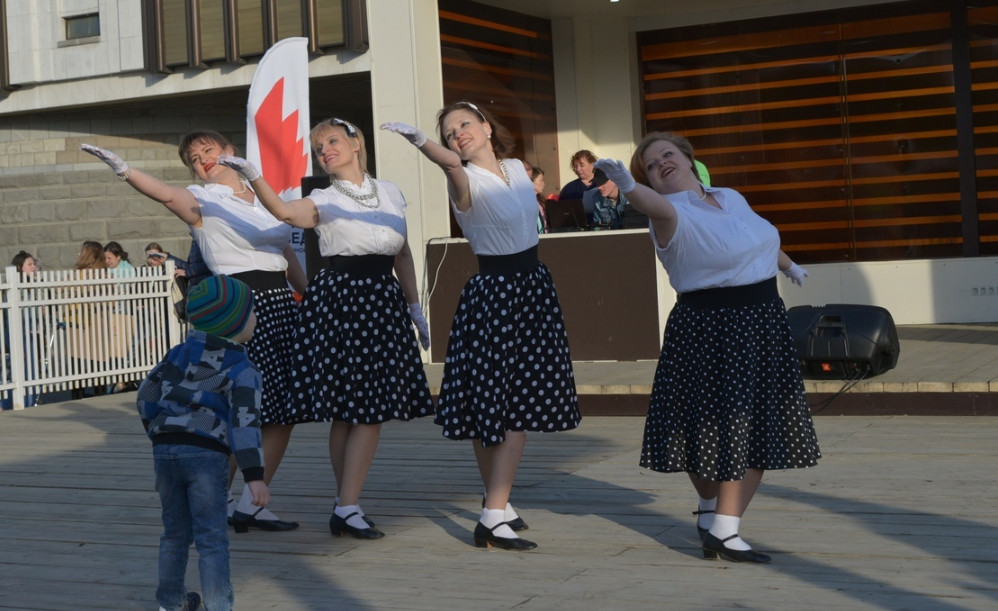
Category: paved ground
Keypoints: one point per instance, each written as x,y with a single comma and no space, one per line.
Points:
899,514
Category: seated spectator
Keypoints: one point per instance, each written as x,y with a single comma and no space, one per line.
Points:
606,201
27,266
582,165
537,177
156,256
117,260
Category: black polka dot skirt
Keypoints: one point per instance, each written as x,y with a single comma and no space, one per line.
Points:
728,394
356,358
270,349
508,367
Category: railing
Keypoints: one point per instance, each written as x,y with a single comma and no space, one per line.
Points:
71,330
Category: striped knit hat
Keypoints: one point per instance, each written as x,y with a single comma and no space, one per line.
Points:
219,305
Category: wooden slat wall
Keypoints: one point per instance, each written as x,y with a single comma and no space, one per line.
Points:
839,126
503,61
983,27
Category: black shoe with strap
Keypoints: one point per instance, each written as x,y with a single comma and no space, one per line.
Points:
338,527
242,522
485,537
716,547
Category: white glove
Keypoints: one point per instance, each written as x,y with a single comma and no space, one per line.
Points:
618,173
410,133
796,273
240,165
416,314
117,163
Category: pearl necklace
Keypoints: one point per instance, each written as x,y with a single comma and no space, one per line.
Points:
505,175
364,199
245,186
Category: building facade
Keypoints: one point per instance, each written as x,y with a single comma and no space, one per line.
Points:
865,130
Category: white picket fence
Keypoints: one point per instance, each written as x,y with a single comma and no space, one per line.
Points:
69,329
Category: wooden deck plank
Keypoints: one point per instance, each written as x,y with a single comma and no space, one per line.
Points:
898,515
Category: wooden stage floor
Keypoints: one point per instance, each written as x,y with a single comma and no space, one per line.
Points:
899,514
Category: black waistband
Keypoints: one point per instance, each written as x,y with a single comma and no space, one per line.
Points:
362,265
508,264
731,296
262,281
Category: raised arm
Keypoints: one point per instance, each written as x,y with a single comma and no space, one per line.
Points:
660,211
297,212
449,161
177,200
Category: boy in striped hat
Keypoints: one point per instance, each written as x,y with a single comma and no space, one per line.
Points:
198,405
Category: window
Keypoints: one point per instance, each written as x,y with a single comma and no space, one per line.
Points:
186,33
82,26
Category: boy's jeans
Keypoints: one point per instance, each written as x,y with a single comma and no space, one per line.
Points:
191,482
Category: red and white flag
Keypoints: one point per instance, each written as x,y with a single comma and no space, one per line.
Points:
277,121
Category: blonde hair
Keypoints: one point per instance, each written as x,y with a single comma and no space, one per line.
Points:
352,131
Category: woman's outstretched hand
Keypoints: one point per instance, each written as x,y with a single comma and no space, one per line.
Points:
116,163
618,173
245,168
410,133
796,273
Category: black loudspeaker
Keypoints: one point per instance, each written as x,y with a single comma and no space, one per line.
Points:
843,341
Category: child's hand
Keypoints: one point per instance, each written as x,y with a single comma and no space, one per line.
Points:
261,494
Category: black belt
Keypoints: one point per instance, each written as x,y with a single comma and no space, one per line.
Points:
362,265
262,281
492,265
731,296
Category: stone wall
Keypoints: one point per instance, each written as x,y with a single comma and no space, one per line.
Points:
53,196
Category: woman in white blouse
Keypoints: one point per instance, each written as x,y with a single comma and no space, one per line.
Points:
239,238
356,360
508,369
728,399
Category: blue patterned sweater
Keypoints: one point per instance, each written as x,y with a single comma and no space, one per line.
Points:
206,393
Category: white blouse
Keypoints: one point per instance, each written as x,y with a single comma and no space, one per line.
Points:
502,219
730,246
238,236
349,226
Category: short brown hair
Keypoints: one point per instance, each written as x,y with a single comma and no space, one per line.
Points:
199,137
681,143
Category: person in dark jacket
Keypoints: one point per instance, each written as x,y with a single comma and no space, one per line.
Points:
200,404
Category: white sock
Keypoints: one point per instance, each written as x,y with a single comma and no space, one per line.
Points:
491,517
705,520
246,506
356,521
509,514
725,526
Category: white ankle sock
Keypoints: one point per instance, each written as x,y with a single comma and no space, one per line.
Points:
246,506
356,521
491,517
725,526
509,514
705,520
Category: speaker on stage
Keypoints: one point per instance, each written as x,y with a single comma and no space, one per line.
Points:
843,341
